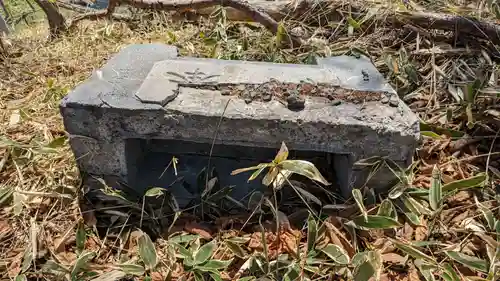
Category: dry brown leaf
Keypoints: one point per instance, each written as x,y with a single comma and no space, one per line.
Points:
460,198
413,274
339,239
91,244
178,271
421,231
5,230
290,242
133,241
384,245
197,228
156,276
67,238
323,240
407,231
15,266
66,258
393,258
460,217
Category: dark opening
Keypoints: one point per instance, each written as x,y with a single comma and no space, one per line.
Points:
148,161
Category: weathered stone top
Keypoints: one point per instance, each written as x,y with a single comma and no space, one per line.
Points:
346,105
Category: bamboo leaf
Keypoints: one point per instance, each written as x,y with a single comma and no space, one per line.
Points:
359,258
358,197
282,154
113,275
281,178
487,213
209,186
336,253
27,259
373,222
214,265
475,181
270,176
82,262
397,190
242,170
21,277
132,269
413,218
375,258
147,251
215,276
304,168
81,237
236,249
198,276
469,261
258,172
412,251
184,253
154,192
431,135
312,233
54,268
57,142
307,195
449,273
435,193
364,272
204,253
426,270
183,238
387,209
352,22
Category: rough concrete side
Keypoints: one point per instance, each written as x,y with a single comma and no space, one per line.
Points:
97,149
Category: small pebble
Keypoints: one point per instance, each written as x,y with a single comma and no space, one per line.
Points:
295,102
240,88
394,101
336,102
385,99
248,100
267,97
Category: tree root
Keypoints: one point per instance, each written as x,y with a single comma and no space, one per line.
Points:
268,13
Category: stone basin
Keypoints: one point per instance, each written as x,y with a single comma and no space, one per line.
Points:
147,104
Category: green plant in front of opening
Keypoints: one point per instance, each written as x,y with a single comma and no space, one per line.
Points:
280,170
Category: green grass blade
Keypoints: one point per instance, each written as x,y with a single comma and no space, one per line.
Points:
358,197
471,262
373,222
435,193
412,251
475,181
336,253
204,253
147,251
312,233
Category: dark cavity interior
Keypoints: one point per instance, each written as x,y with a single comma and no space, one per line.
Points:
148,161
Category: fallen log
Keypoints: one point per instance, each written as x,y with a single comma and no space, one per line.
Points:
269,13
